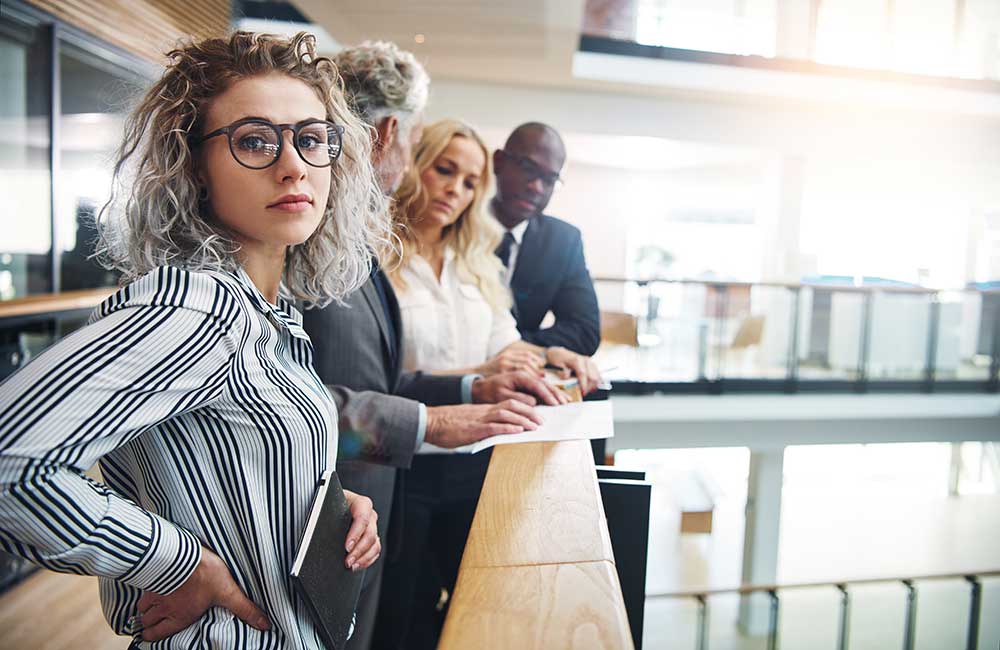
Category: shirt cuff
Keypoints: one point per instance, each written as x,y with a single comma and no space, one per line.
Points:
421,425
467,387
172,556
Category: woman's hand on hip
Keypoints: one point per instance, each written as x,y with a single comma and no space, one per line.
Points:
362,544
211,585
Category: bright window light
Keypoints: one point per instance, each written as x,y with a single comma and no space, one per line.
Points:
708,25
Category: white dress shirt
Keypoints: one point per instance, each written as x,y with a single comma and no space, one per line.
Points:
518,233
447,323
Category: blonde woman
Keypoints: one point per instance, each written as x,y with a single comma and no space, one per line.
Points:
244,182
456,319
456,311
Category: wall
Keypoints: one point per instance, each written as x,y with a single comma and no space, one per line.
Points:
852,160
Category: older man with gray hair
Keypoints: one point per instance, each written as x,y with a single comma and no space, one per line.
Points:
386,414
388,88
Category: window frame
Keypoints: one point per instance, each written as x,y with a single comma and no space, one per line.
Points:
56,34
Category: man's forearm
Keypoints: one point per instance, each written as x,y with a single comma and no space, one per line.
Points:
375,427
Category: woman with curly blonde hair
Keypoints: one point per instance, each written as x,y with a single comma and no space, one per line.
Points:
243,183
455,319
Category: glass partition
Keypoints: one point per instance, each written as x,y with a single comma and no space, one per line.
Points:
25,178
789,337
93,99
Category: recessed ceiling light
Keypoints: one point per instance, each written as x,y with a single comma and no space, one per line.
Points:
419,38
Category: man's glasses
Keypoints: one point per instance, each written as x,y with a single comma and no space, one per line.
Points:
531,170
257,143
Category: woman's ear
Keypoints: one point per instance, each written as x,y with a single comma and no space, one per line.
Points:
202,182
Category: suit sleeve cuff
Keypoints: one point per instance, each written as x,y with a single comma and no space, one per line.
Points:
467,381
421,425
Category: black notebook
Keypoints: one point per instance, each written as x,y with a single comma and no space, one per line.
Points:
328,588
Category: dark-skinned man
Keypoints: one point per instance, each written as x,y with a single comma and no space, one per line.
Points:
546,269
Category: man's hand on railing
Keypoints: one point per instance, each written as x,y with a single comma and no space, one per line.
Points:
465,424
523,386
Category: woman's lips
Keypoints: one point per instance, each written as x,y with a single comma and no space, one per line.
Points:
291,206
441,205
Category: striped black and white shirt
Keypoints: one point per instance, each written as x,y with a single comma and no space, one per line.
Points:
200,400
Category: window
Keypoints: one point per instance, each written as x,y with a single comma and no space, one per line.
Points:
41,252
93,97
944,38
25,179
746,27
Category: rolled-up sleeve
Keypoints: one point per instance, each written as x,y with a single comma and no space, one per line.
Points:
503,332
90,393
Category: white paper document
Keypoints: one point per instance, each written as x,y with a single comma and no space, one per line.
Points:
574,421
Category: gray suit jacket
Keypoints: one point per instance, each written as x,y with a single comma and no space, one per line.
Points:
377,403
378,408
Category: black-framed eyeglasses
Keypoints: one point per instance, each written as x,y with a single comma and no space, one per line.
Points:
531,170
257,143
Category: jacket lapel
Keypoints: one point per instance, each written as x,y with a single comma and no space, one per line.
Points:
371,297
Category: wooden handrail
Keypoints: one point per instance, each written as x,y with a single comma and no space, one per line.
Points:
749,589
538,571
54,303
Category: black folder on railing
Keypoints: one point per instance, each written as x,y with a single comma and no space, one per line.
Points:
327,587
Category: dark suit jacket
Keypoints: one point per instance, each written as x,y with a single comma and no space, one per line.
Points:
551,274
377,430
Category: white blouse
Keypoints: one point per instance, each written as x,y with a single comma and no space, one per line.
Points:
447,323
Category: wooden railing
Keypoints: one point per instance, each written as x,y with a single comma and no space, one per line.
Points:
538,571
53,303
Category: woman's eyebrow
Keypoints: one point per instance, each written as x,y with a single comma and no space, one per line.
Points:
255,117
272,121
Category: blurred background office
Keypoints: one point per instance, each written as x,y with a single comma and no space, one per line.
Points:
791,209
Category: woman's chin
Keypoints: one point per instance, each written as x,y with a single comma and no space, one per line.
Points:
437,218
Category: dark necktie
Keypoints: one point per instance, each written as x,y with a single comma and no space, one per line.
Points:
503,250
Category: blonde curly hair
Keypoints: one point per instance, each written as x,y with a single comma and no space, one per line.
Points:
158,213
474,235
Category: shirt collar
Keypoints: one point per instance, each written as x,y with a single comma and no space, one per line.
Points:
283,315
518,231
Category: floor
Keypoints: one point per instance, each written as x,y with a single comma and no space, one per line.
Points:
53,611
822,536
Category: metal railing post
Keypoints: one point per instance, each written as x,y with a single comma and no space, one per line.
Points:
702,643
845,617
975,604
933,333
723,314
861,383
994,380
772,631
910,629
792,366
